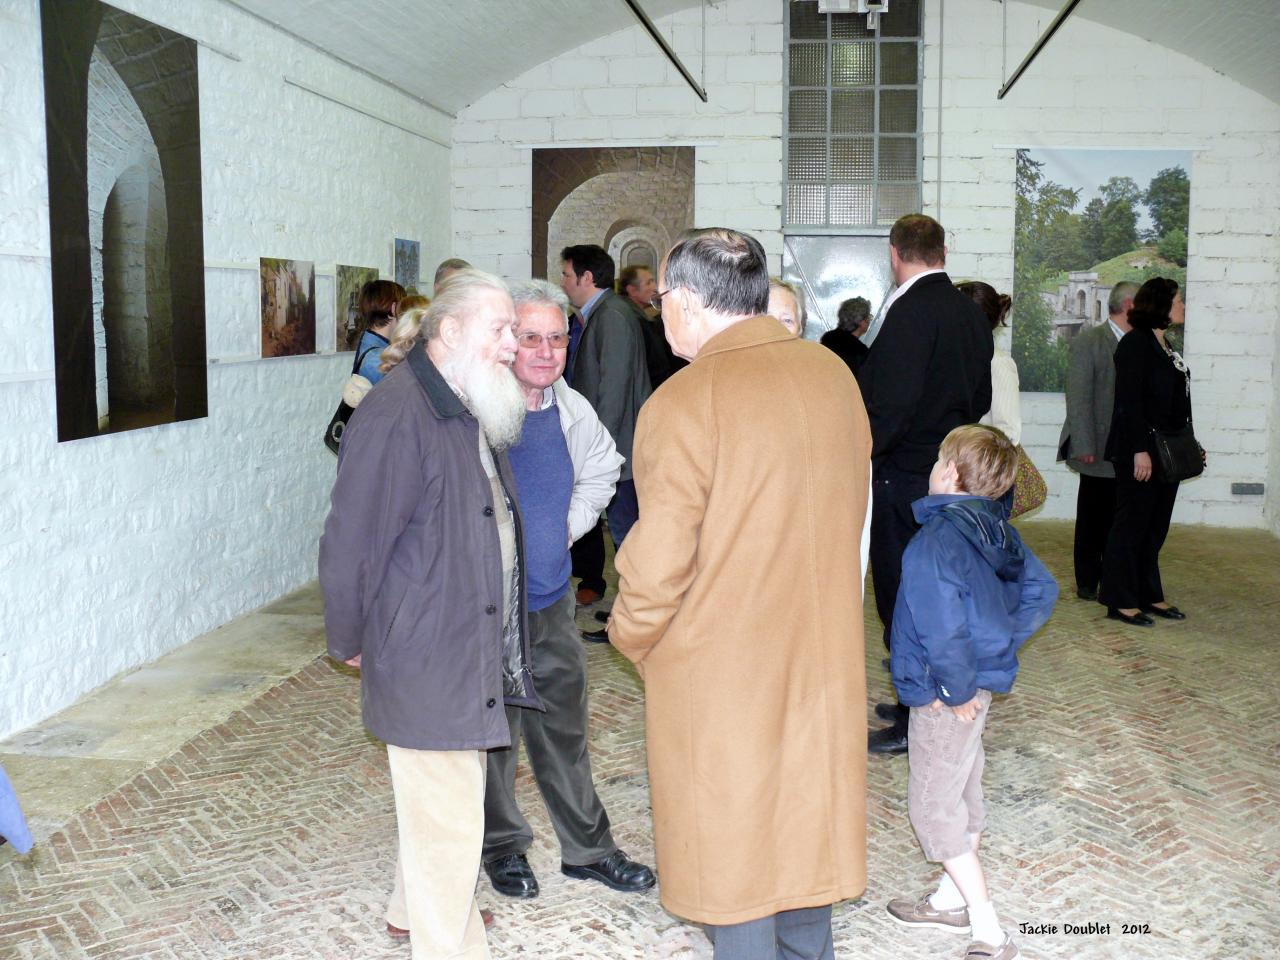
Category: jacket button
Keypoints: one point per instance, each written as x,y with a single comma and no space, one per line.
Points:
490,703
488,511
491,609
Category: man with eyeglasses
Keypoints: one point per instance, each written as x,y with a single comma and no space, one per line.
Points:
565,468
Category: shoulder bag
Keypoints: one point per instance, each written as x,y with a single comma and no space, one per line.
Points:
1178,454
353,391
1029,489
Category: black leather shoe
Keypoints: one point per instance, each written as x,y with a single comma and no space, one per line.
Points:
1165,613
615,871
1084,594
602,616
512,876
890,740
1137,620
596,636
887,711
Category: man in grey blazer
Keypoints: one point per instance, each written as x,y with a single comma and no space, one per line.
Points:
609,366
1091,388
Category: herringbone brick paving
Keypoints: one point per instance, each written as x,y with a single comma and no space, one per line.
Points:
1132,779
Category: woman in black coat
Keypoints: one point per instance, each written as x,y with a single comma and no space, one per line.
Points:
1153,392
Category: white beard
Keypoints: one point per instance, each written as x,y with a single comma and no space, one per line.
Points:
493,396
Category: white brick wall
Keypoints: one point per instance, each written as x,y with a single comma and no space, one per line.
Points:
738,163
118,548
1090,87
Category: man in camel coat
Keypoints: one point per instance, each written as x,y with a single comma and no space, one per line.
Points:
740,603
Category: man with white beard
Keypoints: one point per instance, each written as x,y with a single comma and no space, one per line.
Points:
421,564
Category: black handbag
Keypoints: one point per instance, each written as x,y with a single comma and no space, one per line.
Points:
1178,455
333,432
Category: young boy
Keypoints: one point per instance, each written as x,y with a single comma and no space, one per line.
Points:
971,595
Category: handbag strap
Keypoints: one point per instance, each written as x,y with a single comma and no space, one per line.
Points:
355,367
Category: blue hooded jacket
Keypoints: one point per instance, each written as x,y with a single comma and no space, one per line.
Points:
971,595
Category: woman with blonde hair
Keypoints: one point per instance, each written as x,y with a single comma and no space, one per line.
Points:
786,303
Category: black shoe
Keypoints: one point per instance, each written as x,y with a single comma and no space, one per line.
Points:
887,711
615,871
1137,620
512,876
603,616
885,663
890,740
596,636
1165,613
1084,594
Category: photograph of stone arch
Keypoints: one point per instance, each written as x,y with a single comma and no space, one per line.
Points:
633,201
288,307
125,220
1086,220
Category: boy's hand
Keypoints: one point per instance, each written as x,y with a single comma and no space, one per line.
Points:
968,712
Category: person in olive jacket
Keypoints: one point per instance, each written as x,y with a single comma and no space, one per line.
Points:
422,573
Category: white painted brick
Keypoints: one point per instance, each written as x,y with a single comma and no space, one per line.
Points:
730,39
577,73
610,102
667,100
630,71
548,103
576,129
753,68
525,131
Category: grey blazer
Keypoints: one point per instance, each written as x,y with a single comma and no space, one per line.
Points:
610,370
1091,391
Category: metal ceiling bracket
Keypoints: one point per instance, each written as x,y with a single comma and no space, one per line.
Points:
661,41
1039,45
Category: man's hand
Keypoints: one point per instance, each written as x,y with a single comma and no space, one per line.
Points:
1142,465
353,662
968,712
1087,458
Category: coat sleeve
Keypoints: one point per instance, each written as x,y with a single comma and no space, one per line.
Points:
1082,440
933,589
1130,431
658,561
1006,402
893,381
1035,603
379,486
596,466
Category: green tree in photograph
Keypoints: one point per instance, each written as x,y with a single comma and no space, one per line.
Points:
1091,230
1173,246
1168,200
1119,216
1041,360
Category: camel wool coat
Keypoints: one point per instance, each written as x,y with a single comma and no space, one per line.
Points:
740,602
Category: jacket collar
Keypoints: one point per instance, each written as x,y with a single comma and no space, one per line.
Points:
444,402
926,507
746,333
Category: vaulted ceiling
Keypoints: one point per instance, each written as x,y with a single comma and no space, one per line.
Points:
451,52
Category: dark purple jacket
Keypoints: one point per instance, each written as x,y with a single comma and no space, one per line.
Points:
411,569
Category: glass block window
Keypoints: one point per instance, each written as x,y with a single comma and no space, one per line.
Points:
853,116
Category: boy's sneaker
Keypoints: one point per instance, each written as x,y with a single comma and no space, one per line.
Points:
985,951
921,913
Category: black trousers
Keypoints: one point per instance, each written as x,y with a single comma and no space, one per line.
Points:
587,554
892,527
556,742
1131,561
1095,510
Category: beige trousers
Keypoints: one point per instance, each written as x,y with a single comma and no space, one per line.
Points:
440,820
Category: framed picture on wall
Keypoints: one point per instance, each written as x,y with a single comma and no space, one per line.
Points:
288,307
346,308
408,254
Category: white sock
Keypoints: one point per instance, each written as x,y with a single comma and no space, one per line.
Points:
947,896
983,925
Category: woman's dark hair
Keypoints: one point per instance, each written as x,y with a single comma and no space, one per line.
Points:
994,305
378,299
1152,303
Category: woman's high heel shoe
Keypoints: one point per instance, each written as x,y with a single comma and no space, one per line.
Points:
1136,620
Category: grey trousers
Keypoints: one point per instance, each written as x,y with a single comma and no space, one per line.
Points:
556,742
790,935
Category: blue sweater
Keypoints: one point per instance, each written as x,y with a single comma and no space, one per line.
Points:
544,484
971,595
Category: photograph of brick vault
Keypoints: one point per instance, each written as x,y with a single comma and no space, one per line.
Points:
808,483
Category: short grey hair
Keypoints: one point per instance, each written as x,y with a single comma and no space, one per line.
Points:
452,265
541,292
727,270
1122,291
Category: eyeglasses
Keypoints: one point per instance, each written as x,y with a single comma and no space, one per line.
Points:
532,341
656,300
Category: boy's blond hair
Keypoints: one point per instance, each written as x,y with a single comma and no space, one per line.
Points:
986,460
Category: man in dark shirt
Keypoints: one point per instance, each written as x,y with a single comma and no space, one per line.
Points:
928,371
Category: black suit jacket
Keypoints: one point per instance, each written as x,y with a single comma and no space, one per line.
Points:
1151,394
847,347
929,371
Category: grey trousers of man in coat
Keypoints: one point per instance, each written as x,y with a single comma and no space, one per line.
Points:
790,935
556,742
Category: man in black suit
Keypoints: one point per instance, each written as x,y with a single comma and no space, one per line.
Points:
610,369
928,372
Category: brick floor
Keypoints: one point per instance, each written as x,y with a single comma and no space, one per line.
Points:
1132,778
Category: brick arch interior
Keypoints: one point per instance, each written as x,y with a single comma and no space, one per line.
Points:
559,172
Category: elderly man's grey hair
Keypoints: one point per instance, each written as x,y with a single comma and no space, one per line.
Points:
539,292
1122,291
455,299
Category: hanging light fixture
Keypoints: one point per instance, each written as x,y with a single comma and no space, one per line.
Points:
872,8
